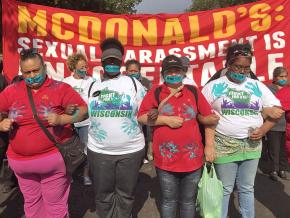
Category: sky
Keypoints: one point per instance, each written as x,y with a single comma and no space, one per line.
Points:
162,6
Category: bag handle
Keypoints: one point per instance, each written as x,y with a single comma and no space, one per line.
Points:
35,116
212,172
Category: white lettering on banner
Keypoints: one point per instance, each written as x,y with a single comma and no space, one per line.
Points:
272,63
208,70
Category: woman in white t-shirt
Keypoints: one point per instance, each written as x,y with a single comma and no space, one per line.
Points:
239,101
116,141
80,82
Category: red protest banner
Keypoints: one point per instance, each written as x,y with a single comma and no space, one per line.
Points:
201,36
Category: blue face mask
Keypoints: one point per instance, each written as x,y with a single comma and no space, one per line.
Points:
237,76
81,73
282,82
173,79
37,79
112,69
135,75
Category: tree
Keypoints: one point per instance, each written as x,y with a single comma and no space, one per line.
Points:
200,5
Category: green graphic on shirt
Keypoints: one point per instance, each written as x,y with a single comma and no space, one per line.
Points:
99,134
78,90
111,104
239,103
130,127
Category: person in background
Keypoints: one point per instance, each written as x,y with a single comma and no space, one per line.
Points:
80,82
116,141
276,136
35,160
238,99
133,69
177,145
283,95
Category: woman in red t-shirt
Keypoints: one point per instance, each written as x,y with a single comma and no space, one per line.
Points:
177,143
35,160
284,96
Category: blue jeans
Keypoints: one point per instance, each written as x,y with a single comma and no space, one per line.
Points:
179,188
243,173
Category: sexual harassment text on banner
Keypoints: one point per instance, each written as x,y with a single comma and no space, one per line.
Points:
201,36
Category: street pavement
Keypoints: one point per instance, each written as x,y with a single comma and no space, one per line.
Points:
272,199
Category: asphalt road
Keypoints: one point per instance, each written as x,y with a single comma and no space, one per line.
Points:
272,198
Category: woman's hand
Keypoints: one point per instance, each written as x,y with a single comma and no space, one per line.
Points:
174,121
6,125
257,134
209,152
54,119
71,109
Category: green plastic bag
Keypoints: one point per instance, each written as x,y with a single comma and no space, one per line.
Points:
210,194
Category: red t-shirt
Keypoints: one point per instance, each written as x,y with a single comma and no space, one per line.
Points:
181,149
284,96
27,139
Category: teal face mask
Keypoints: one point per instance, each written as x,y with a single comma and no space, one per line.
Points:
282,82
135,75
173,79
37,79
237,76
81,73
112,69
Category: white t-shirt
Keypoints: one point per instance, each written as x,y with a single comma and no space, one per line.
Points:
188,81
82,87
113,107
238,105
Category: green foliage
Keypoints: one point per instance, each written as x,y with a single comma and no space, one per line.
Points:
201,5
100,6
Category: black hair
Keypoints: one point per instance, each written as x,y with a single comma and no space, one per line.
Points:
112,43
278,70
238,50
17,79
30,53
131,62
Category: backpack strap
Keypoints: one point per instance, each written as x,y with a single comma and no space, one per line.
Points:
134,82
192,89
90,88
157,94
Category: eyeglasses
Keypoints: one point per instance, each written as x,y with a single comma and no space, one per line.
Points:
246,53
240,68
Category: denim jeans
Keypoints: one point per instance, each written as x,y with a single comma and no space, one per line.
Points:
83,132
178,187
243,173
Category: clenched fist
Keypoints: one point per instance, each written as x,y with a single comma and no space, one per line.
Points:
6,125
53,119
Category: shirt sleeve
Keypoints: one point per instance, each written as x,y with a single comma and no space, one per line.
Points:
4,99
268,98
283,96
203,106
148,102
207,93
70,96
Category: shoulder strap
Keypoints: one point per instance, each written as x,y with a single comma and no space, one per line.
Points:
193,90
157,94
47,133
89,92
134,82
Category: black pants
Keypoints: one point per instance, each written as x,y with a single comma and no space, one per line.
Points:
277,150
114,179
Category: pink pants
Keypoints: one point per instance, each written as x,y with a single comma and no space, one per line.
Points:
44,185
